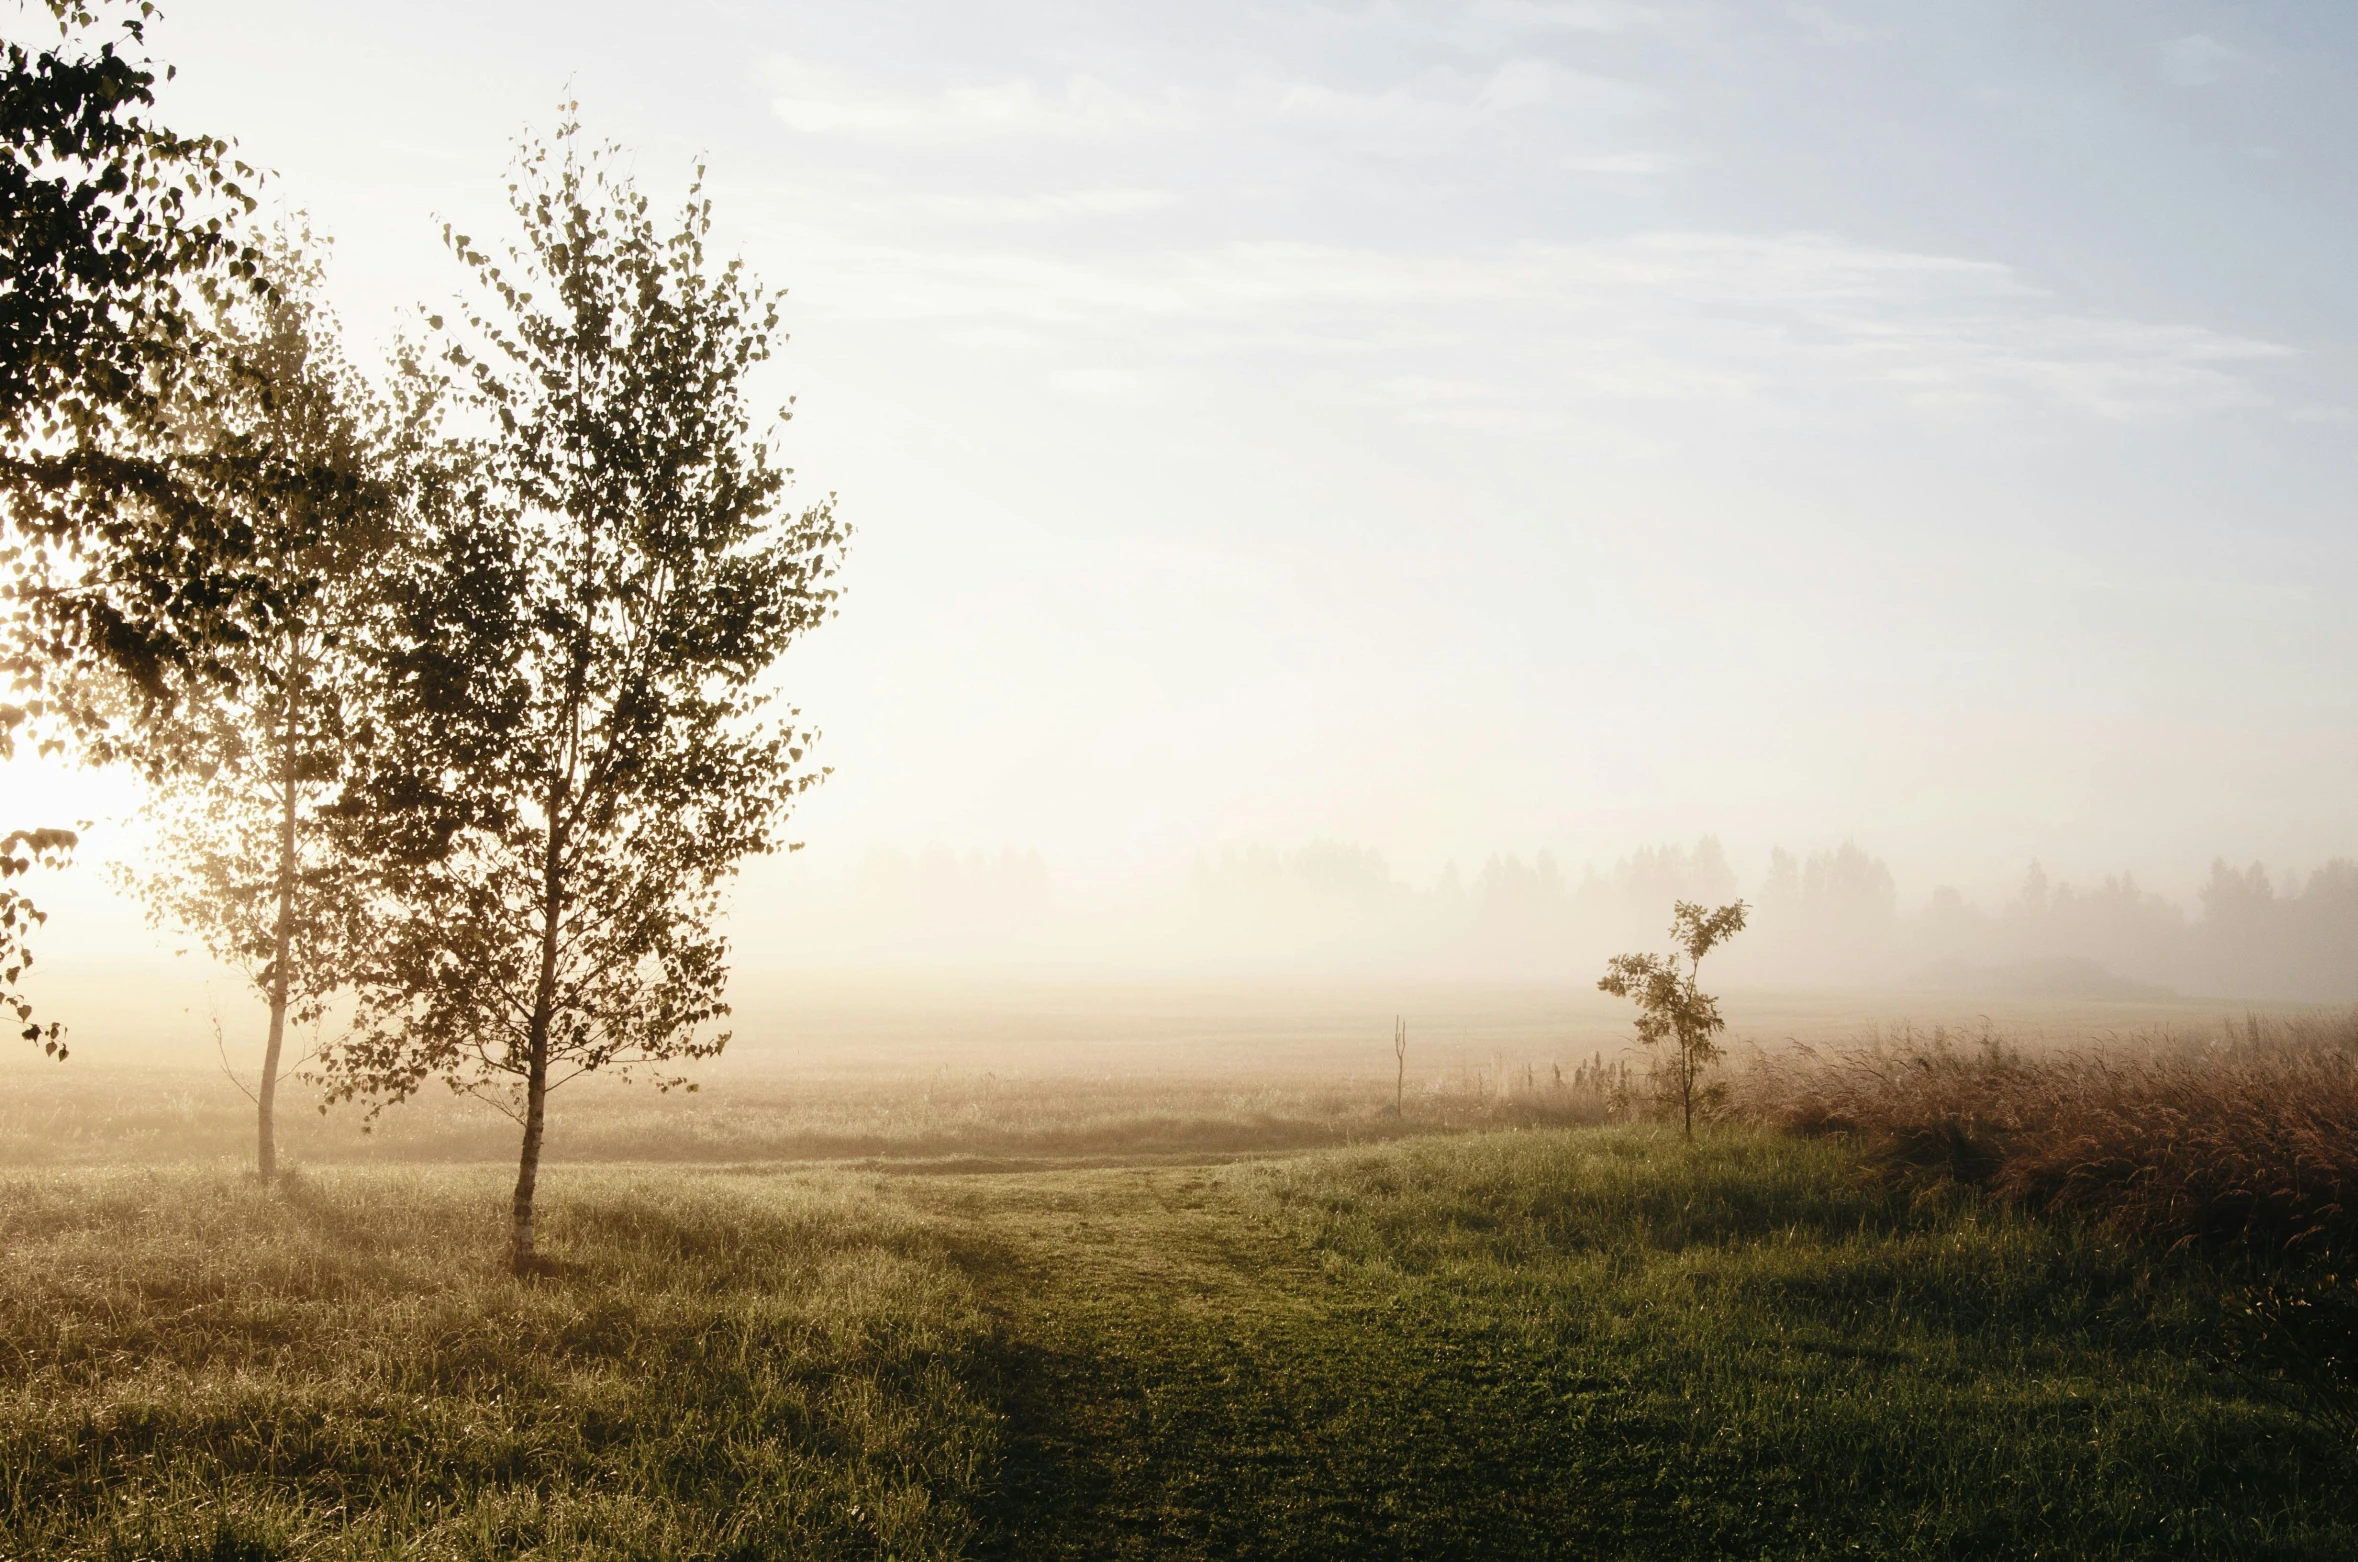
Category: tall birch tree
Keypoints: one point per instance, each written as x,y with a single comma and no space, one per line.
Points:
282,438
579,740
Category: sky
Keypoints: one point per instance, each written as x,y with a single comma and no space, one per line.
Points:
1482,428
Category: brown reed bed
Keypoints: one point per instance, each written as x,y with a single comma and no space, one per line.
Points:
2239,1142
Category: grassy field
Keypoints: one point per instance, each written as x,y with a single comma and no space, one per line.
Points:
942,1121
969,1075
1552,1342
201,1368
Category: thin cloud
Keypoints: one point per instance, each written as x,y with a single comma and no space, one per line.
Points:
1100,384
1446,103
817,101
1775,320
1631,165
1053,204
1828,26
2197,60
1605,17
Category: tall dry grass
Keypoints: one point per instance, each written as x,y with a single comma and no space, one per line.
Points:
2238,1141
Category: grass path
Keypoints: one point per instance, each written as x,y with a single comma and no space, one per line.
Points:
1444,1350
1179,1383
1185,1381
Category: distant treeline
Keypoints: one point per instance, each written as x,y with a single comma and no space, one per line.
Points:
1832,917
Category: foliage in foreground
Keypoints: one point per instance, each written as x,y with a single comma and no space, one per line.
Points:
196,1367
104,561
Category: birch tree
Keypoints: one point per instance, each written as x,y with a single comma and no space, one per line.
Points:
1676,1019
579,740
284,440
105,215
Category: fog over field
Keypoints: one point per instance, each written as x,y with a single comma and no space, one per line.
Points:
1309,779
1361,491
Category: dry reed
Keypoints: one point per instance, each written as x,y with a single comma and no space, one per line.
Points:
2240,1142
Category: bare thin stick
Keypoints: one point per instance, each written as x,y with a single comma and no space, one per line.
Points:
222,1047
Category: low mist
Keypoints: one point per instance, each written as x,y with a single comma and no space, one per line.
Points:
1832,918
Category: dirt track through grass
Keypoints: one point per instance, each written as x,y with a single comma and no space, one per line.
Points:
1598,1346
1182,1383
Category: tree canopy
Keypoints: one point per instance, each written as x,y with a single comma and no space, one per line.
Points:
105,560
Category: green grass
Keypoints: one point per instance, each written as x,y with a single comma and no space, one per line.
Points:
199,1369
1586,1343
1603,1344
1738,1350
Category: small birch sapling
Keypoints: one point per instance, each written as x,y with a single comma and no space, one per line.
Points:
1676,1015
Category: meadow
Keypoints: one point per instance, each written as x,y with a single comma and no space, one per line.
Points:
1194,1314
961,1072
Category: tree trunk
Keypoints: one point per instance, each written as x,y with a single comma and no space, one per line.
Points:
1686,1089
282,954
1689,1065
544,1003
536,1111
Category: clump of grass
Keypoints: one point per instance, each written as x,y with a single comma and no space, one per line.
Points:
195,1366
2243,1144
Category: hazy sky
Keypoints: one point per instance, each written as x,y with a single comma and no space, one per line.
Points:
1492,427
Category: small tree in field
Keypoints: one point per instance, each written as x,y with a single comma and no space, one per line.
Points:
278,435
571,757
1672,1010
